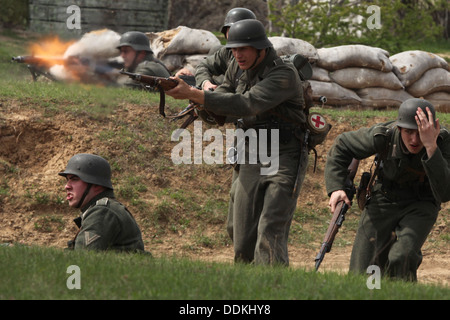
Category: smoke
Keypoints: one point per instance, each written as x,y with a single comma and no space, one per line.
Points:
96,45
90,57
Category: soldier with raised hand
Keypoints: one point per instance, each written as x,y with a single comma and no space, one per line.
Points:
138,57
264,93
105,224
405,200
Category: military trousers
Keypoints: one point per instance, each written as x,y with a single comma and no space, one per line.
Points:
391,234
262,206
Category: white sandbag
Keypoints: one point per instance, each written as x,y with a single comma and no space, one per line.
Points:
335,94
379,97
174,61
320,74
182,40
440,101
288,46
358,78
409,66
354,56
193,61
433,80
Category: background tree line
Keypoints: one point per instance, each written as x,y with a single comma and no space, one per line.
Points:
338,22
320,22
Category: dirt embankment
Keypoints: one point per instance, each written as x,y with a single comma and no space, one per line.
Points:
33,149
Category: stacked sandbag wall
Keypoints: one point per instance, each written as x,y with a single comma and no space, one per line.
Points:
348,75
424,74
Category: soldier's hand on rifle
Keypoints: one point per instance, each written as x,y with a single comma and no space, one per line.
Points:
185,91
336,197
207,85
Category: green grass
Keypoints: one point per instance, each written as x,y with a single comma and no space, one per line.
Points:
42,273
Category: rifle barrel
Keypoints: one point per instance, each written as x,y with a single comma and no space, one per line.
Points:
36,60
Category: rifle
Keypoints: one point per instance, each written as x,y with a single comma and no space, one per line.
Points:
39,65
165,84
36,65
338,214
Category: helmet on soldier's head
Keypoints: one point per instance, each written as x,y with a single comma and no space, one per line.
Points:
235,15
407,112
248,33
89,168
135,39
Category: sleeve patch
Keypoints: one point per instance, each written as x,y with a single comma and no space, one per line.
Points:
90,237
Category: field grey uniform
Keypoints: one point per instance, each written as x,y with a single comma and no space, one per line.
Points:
266,97
149,67
107,225
405,200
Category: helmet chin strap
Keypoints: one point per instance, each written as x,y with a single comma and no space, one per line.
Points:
256,60
86,191
135,63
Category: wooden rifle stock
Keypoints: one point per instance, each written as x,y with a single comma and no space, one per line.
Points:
160,83
165,84
338,214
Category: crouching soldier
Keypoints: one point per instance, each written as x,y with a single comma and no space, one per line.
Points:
405,200
104,222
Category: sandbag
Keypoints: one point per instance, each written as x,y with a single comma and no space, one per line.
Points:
193,61
174,61
379,97
287,46
358,78
335,94
409,66
433,80
340,57
440,101
320,74
183,41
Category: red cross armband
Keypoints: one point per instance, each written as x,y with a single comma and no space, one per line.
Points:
316,123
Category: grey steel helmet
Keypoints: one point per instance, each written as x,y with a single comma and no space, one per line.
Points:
407,112
248,32
235,15
89,168
135,39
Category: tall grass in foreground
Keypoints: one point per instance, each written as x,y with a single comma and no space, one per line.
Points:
42,273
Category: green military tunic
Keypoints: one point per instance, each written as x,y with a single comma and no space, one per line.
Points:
262,206
405,200
107,225
150,67
214,67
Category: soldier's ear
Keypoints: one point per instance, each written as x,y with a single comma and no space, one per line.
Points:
98,189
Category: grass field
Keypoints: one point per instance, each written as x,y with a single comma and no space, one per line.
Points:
42,273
